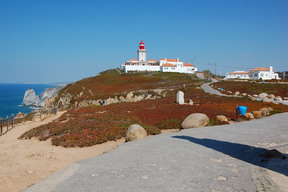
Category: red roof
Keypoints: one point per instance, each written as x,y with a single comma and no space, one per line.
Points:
152,60
188,65
170,60
168,65
260,69
132,60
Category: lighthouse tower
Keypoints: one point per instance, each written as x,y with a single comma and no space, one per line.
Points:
141,52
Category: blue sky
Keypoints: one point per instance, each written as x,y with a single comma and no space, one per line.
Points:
66,40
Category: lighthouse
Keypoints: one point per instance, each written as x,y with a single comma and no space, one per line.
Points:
141,52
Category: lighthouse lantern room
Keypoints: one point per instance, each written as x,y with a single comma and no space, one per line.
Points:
141,52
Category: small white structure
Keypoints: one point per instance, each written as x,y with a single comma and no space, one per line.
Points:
164,65
258,73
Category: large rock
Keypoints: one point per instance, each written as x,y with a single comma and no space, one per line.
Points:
265,112
262,95
190,102
249,116
221,118
278,98
195,120
271,96
30,98
257,114
237,93
135,132
180,98
266,100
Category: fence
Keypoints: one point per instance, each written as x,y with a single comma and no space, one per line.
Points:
9,123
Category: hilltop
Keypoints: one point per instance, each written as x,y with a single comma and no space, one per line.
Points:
115,84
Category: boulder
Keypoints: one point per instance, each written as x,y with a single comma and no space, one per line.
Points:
237,93
135,132
262,95
266,100
190,102
244,94
270,109
221,118
249,116
195,120
264,112
257,114
278,98
180,98
271,96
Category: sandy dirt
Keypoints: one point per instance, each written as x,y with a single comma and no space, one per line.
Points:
25,162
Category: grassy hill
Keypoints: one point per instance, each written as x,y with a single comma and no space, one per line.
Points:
95,124
112,82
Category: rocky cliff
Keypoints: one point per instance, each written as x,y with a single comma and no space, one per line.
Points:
30,97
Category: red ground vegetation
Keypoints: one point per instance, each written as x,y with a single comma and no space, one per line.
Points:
97,124
112,82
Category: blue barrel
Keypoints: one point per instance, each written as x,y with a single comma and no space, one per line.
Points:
242,109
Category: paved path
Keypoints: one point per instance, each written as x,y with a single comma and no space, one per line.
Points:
220,158
207,89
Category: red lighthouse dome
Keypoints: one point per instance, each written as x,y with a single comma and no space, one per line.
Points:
141,45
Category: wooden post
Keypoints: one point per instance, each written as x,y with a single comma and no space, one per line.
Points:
1,128
7,124
12,121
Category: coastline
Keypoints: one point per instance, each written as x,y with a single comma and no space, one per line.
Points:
25,162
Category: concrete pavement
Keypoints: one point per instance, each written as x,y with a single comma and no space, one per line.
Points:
218,158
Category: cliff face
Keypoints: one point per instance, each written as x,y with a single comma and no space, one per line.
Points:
30,97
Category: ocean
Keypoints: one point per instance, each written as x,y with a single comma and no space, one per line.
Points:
11,97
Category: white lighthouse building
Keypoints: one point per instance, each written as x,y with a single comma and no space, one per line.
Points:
164,65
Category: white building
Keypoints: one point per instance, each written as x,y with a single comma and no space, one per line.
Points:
258,73
164,65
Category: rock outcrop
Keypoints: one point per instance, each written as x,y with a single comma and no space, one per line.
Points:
195,120
135,132
30,97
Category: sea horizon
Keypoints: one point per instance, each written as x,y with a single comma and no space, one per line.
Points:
11,97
